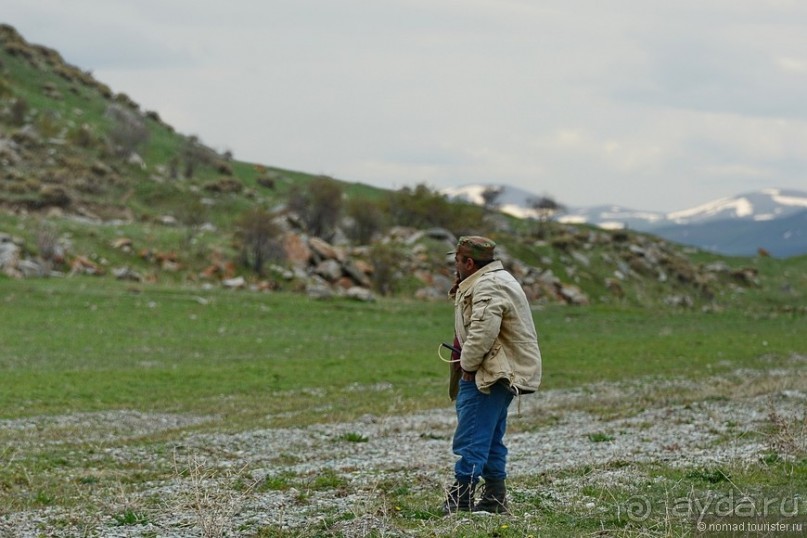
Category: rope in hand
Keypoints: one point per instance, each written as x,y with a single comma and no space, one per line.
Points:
440,354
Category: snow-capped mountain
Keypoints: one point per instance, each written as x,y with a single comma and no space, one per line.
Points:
762,205
780,237
759,206
613,217
770,219
509,199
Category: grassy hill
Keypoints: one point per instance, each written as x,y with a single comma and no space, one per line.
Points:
87,170
75,140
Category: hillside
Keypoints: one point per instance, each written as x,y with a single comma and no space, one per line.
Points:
94,186
71,146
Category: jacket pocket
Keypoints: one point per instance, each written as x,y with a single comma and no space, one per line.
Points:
495,365
479,309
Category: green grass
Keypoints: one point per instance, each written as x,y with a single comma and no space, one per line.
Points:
99,345
588,345
262,360
667,502
84,344
130,517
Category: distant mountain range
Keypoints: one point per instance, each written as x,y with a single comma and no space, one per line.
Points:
772,219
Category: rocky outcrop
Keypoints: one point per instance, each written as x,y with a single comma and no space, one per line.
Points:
414,262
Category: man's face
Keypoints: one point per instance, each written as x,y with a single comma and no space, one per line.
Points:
464,266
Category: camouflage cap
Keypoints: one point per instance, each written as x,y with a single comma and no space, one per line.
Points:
475,246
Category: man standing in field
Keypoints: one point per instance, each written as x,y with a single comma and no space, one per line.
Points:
499,358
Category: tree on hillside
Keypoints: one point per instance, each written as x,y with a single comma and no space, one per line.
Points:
366,220
385,258
319,205
47,242
193,214
18,112
193,155
259,239
546,209
490,197
423,207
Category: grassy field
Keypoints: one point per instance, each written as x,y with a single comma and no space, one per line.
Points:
97,344
249,361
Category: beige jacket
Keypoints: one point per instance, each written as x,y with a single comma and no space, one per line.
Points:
495,328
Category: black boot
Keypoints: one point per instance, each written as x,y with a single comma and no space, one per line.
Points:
494,498
460,498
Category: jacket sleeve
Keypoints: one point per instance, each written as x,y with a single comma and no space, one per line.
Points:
487,310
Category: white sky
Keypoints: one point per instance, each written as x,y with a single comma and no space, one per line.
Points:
650,104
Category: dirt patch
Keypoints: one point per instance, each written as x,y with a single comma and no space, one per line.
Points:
219,484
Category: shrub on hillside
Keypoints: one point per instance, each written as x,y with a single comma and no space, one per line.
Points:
128,130
18,112
52,195
258,238
423,207
385,258
193,215
47,242
5,87
319,206
366,219
193,155
82,136
224,185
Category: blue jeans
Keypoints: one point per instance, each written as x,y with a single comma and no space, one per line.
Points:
478,440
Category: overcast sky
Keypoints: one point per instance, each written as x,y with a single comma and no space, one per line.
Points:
650,104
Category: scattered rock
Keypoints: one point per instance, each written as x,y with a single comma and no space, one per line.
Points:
9,254
325,250
547,456
127,273
122,243
360,294
85,266
330,270
234,283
